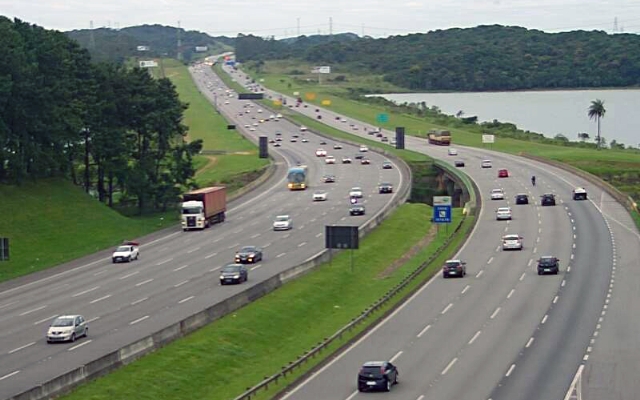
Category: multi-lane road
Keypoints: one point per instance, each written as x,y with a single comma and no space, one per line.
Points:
504,332
177,274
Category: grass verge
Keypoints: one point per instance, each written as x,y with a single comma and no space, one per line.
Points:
221,360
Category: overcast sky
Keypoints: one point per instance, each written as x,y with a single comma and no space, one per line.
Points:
284,18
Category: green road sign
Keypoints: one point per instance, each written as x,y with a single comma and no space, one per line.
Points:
382,118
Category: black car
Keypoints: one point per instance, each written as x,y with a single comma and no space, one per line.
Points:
385,188
248,254
329,179
233,273
359,156
323,142
387,165
459,163
548,199
522,198
384,139
356,209
377,375
454,268
548,265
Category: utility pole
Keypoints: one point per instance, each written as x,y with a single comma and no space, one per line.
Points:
92,39
179,43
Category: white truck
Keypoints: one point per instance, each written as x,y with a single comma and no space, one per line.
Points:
126,252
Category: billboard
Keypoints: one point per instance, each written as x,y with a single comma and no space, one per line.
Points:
4,249
201,49
341,237
263,147
321,70
143,48
400,137
250,96
148,64
488,138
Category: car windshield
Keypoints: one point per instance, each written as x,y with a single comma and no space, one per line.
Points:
452,264
320,192
522,196
371,371
62,322
547,261
123,249
496,191
356,189
191,210
247,249
231,268
511,237
504,209
282,218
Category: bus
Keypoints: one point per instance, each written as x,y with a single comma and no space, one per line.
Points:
297,178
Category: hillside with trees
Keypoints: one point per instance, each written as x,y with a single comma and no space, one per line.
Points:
485,58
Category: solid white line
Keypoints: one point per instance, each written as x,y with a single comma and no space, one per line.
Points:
210,255
194,249
529,343
522,276
444,371
21,347
144,282
479,273
139,301
511,293
302,244
179,268
85,291
510,370
473,339
7,305
45,319
80,345
181,283
256,267
280,255
185,300
495,313
138,320
34,310
489,261
99,299
423,331
446,308
129,275
9,375
465,289
544,319
394,358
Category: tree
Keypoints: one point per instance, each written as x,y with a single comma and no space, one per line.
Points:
583,136
597,111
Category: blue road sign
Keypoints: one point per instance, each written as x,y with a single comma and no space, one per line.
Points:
382,117
442,214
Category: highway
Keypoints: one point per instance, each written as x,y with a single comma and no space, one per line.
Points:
503,332
177,274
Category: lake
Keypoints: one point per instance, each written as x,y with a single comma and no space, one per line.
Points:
545,112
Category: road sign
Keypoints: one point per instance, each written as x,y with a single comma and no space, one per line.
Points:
488,138
442,201
442,214
382,118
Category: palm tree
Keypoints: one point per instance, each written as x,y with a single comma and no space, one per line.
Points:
597,111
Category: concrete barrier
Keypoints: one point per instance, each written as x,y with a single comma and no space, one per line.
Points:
102,365
136,349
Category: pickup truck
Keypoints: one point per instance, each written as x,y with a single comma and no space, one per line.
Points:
127,251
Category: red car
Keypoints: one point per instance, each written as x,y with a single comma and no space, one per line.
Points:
503,173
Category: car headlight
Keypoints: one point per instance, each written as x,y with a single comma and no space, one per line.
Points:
236,277
221,276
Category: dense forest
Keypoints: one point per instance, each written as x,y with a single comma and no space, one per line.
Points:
484,58
117,45
107,128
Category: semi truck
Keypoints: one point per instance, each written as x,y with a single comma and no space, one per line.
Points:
440,138
203,207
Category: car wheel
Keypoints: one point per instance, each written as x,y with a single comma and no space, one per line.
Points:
129,259
137,256
444,276
539,273
86,332
556,273
395,380
388,387
73,337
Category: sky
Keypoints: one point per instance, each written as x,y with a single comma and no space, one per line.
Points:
287,18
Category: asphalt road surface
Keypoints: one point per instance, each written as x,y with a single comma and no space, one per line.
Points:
177,274
503,332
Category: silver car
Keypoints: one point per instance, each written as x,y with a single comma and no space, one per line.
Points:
282,223
67,328
512,242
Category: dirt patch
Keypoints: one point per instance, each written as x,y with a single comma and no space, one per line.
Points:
210,164
428,238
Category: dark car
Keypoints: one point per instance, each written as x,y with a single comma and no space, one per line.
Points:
377,375
548,199
356,209
387,165
384,139
379,134
503,173
248,254
459,163
385,188
323,142
328,179
454,268
359,156
233,273
548,265
522,198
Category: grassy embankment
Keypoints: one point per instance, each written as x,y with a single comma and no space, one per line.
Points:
51,221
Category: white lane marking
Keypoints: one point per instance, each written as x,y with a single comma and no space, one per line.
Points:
144,282
522,276
446,308
266,245
217,240
490,260
99,299
45,319
181,267
215,269
280,255
473,339
511,293
8,304
139,301
255,236
138,320
529,263
555,300
572,255
92,319
85,291
420,397
564,282
129,275
352,395
256,267
574,236
529,343
574,246
233,246
568,268
21,347
181,283
465,289
302,244
194,249
9,375
101,272
186,299
423,331
210,255
510,370
444,371
319,234
33,310
394,358
544,319
86,342
495,313
479,273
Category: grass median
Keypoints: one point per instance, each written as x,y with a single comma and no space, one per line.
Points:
222,359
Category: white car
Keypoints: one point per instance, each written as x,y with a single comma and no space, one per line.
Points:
503,213
579,194
497,194
363,148
343,120
320,195
330,160
355,192
321,153
485,164
337,146
303,128
127,252
272,116
67,328
259,110
282,223
512,242
452,152
278,115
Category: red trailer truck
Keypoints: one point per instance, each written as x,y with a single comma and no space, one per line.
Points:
203,207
